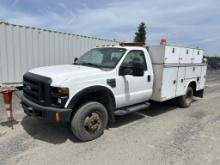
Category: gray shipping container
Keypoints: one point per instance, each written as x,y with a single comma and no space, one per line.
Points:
23,48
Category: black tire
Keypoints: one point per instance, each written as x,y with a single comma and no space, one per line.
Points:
89,121
186,100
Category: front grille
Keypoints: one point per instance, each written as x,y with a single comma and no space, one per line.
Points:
37,88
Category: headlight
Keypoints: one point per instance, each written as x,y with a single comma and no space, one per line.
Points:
59,96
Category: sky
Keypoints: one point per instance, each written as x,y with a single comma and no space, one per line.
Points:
183,22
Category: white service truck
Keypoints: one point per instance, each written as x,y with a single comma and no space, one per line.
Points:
113,80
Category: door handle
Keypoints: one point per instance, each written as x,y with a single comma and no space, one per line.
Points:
149,78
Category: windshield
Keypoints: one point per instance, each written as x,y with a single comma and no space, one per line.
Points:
101,57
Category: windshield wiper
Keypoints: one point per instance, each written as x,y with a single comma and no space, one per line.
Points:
89,64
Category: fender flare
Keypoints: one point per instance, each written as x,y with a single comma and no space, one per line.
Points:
91,89
192,81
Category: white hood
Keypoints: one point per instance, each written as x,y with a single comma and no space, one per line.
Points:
60,73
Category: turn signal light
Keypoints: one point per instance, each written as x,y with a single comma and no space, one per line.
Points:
62,91
57,116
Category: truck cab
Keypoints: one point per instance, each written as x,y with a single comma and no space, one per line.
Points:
104,82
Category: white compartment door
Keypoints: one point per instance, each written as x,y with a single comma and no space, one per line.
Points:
169,83
171,55
197,56
180,89
193,71
186,55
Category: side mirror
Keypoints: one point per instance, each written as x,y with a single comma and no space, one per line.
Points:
75,59
138,69
125,70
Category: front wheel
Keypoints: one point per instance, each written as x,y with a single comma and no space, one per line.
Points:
90,121
186,100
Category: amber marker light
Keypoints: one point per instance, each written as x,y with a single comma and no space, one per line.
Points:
57,116
63,91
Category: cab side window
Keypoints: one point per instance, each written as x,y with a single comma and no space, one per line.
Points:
132,56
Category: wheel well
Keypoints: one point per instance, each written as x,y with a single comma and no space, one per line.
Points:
101,95
193,86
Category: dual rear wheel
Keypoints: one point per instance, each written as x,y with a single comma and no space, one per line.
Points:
186,100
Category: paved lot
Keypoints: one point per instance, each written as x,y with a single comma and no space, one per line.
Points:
163,134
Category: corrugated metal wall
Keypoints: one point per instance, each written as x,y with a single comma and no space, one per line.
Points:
23,48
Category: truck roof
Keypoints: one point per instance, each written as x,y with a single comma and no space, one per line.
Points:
125,47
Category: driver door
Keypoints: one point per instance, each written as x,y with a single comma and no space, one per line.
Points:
132,89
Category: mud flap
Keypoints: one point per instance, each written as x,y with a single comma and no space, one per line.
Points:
199,93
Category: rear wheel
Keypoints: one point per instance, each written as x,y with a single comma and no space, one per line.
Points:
90,121
186,100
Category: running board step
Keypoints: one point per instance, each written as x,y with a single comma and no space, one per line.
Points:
127,110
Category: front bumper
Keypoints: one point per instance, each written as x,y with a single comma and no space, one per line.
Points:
33,109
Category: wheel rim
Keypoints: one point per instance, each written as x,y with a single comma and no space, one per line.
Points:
92,122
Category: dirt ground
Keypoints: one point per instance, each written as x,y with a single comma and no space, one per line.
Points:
163,134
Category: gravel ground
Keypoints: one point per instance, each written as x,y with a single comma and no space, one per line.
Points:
162,134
